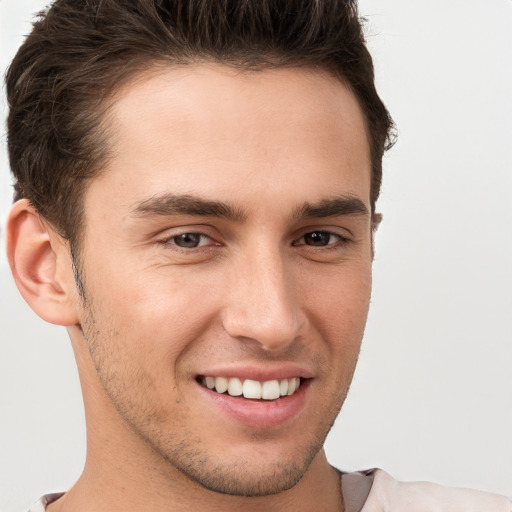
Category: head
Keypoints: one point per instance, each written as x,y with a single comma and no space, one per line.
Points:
206,178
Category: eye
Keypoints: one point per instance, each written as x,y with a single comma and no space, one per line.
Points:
320,239
189,240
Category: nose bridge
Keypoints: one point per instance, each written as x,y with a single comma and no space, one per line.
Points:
262,303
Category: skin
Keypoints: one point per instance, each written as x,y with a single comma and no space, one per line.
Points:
260,290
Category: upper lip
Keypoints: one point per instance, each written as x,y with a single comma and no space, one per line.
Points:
259,373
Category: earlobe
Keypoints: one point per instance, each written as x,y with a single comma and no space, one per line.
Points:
41,265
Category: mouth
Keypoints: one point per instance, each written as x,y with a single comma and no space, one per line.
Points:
251,389
273,401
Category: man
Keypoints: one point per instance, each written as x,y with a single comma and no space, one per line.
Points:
196,189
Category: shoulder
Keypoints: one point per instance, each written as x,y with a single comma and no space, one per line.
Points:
40,505
376,491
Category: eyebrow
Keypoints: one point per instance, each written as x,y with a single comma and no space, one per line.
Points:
345,205
172,204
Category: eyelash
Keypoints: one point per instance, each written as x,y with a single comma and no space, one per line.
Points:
171,240
341,240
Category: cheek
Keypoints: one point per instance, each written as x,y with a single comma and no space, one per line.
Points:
338,313
153,312
340,300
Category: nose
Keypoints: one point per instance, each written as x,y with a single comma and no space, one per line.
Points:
262,302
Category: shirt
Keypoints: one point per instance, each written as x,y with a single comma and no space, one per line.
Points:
375,490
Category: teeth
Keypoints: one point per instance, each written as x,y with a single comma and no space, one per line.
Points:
221,384
252,389
268,390
234,387
293,385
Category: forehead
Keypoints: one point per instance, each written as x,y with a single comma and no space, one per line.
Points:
218,131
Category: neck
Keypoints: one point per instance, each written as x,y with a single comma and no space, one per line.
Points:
124,472
110,488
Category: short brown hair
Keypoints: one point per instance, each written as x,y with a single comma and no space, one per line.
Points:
80,51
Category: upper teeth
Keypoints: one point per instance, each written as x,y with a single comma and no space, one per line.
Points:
267,390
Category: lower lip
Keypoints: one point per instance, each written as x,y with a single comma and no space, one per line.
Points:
259,413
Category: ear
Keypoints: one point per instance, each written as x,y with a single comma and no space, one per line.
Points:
41,265
376,220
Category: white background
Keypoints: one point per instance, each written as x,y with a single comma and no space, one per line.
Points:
432,396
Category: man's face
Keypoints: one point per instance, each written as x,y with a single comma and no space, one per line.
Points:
228,242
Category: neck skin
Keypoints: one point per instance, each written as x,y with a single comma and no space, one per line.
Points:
122,471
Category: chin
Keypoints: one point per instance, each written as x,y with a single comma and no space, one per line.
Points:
258,471
244,481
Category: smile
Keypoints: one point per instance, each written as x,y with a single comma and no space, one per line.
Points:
253,389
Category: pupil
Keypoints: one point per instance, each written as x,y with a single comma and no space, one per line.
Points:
317,238
189,240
